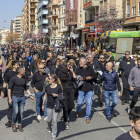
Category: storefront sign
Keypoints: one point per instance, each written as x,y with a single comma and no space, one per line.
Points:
92,29
124,44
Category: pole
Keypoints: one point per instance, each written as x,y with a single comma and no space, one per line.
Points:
95,30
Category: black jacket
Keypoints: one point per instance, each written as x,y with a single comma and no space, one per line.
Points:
51,63
126,66
88,84
102,67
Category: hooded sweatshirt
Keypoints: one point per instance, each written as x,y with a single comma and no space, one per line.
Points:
134,77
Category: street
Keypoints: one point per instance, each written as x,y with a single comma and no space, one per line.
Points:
99,128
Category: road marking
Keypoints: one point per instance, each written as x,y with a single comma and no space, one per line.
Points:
113,123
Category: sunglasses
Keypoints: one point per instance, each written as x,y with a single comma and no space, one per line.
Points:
42,68
43,62
127,54
102,58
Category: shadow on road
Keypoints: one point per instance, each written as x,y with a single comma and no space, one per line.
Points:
3,113
89,131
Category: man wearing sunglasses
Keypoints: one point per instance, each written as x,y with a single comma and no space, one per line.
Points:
81,53
38,80
125,67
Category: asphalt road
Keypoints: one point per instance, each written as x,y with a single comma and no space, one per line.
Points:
98,129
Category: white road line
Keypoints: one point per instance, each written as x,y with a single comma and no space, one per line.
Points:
114,123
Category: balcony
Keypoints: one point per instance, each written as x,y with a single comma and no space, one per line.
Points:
32,13
32,7
53,25
43,21
33,1
45,30
128,15
63,29
62,15
42,3
42,12
89,21
51,3
32,19
61,2
53,14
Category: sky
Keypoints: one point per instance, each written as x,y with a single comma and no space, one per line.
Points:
9,9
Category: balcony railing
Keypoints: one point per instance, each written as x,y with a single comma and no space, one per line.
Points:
43,21
89,21
42,12
128,15
42,3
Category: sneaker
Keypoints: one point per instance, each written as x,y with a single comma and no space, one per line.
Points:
67,125
87,120
38,117
49,131
14,128
9,124
111,114
92,109
54,138
128,111
109,119
45,119
20,128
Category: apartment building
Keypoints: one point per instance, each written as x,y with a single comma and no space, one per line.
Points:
18,27
42,15
54,36
80,23
3,34
62,28
71,21
132,14
30,14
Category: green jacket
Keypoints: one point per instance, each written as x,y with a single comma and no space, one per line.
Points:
44,85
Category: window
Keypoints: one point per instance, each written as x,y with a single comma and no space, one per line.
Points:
139,8
90,16
72,16
59,11
85,1
128,10
133,11
62,10
62,23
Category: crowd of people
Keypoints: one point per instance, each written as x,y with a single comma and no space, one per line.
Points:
62,77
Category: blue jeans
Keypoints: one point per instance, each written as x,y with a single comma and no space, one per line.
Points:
81,96
39,98
18,107
107,95
45,109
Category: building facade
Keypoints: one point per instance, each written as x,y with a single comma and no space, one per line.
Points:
132,14
3,34
54,36
30,14
42,15
62,28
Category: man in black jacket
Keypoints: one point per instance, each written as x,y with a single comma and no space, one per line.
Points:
7,79
50,60
86,90
125,67
37,83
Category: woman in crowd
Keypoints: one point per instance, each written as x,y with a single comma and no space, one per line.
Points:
135,58
53,68
77,59
73,64
9,59
51,93
67,77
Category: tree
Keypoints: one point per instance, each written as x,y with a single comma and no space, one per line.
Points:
41,34
11,38
33,35
109,19
25,36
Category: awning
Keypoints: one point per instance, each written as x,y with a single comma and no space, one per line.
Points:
81,28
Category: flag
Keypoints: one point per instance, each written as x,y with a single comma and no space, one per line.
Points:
5,21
